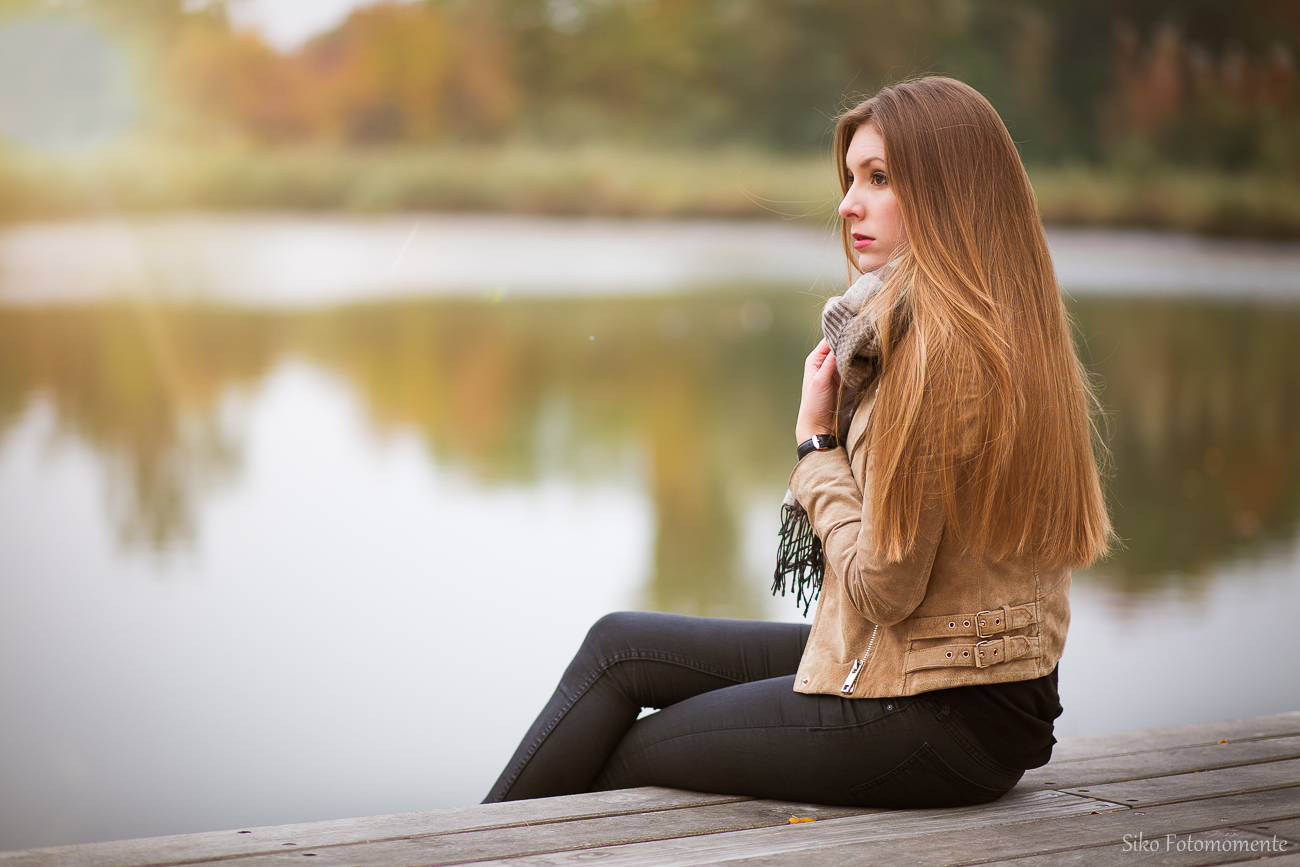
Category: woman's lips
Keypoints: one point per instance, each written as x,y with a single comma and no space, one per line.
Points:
862,241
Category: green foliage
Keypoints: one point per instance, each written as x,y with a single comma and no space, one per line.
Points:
625,106
1074,79
1194,81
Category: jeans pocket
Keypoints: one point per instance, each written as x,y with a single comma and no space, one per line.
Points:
924,779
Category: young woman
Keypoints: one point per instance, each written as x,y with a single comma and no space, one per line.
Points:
945,487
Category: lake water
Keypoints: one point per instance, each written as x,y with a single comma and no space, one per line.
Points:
301,518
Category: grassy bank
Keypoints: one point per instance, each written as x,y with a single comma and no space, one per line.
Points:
589,180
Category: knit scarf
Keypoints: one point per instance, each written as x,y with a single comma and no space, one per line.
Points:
855,342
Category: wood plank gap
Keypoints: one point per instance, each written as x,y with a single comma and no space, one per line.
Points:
1194,785
1178,773
1283,826
1170,749
1136,740
1135,805
560,820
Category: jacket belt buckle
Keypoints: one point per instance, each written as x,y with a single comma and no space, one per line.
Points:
990,652
990,623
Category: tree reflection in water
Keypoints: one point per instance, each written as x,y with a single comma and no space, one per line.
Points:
1204,404
1203,401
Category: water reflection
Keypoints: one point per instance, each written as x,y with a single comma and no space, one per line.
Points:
1205,429
1204,402
140,385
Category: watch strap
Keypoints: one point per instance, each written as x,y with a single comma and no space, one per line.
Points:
817,443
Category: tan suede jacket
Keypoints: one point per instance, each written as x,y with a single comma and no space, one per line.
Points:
938,619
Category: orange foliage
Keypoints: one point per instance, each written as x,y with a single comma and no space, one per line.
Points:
1158,84
391,72
236,78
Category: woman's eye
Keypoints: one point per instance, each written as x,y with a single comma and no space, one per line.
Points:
878,179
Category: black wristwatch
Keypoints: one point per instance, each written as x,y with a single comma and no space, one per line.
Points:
817,443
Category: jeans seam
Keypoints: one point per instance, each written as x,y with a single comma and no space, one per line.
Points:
944,764
974,750
712,731
604,665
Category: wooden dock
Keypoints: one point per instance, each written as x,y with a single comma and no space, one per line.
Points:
1218,793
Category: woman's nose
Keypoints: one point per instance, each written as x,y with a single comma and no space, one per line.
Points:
850,207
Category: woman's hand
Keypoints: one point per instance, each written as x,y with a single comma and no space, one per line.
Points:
821,386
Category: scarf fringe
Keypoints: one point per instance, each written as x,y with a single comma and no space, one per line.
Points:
856,343
798,558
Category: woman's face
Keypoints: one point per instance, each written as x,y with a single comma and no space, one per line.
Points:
870,206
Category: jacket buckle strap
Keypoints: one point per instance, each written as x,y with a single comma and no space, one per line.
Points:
981,655
984,624
990,652
990,623
999,620
1002,650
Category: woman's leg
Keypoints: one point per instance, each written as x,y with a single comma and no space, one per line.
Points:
629,661
765,740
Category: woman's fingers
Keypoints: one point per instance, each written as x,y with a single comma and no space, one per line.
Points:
820,395
818,355
824,385
815,361
828,371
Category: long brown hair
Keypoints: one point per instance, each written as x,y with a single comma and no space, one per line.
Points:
982,399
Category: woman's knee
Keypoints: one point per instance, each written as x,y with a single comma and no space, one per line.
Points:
619,630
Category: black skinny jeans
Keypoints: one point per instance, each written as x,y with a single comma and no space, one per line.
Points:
730,722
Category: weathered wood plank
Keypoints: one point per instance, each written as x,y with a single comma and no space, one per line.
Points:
1261,762
1205,848
1077,747
185,848
574,841
1288,828
1275,861
579,834
1159,763
1187,787
923,839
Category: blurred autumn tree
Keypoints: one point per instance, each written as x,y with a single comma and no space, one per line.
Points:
1197,82
392,72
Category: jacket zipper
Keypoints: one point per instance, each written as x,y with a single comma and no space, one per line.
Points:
852,680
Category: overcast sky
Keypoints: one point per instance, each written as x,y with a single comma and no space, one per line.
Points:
287,24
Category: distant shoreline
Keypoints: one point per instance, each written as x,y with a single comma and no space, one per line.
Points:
591,180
